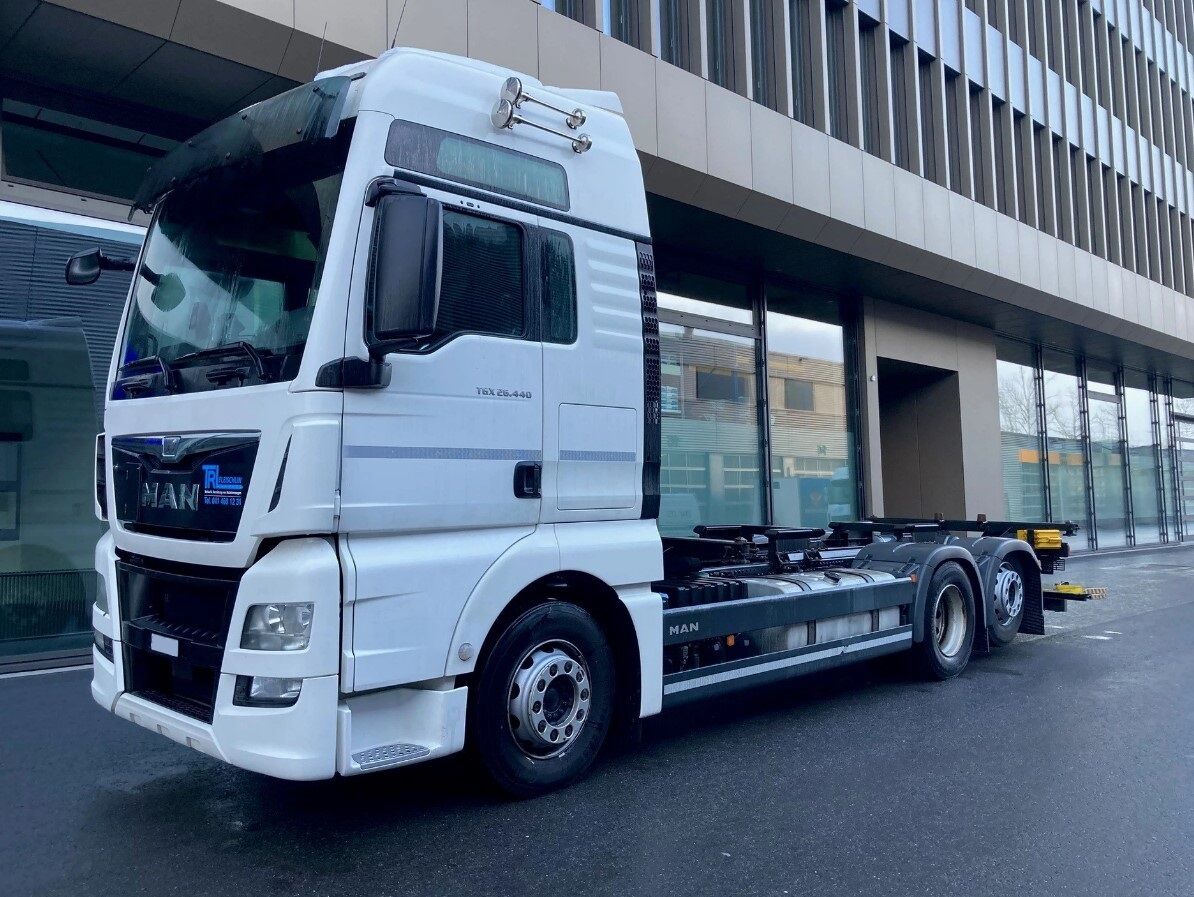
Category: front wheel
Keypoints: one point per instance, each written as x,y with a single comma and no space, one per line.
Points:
544,700
949,623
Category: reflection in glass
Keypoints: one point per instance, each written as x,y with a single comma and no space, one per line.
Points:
710,462
812,458
1145,471
47,528
1107,459
1020,445
1063,424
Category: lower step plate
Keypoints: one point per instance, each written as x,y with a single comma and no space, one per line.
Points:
389,755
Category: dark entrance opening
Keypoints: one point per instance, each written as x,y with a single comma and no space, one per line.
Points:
920,438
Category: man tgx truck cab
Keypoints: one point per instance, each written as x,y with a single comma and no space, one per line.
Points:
381,453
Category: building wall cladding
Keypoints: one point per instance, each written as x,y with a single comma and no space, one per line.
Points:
1037,152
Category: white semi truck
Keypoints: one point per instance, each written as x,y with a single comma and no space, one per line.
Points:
381,452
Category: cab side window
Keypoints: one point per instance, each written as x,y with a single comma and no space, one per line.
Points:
559,288
482,285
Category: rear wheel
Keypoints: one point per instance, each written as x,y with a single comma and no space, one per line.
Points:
543,700
1007,604
949,623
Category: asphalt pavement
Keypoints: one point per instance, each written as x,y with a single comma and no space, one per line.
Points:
1061,765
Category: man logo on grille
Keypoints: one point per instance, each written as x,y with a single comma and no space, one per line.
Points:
179,497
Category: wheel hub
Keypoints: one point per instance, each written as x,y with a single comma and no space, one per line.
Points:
949,621
549,699
1009,593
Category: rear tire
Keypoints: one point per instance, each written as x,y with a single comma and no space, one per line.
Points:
543,700
1007,604
949,624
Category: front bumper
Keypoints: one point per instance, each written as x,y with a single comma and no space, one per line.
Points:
322,733
296,742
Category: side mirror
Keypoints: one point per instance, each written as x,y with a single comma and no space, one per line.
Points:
402,289
84,267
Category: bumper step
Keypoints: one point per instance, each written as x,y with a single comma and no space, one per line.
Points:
389,755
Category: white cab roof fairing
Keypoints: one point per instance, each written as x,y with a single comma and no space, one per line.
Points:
457,94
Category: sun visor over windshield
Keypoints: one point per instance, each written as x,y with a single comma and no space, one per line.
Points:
304,115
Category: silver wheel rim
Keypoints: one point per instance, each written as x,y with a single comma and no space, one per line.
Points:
549,699
1009,593
949,621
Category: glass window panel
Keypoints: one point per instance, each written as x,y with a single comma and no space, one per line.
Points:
482,288
677,23
72,152
1063,422
710,462
47,528
559,288
1183,408
812,444
625,22
1107,458
698,294
1145,470
1019,440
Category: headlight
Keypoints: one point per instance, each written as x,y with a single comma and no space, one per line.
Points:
278,627
266,691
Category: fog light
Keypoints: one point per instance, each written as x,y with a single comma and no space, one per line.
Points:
266,691
103,643
278,627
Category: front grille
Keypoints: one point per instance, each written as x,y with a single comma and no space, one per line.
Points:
187,603
183,487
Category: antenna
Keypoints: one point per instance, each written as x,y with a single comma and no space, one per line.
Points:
319,58
401,13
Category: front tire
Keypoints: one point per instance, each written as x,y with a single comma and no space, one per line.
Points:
949,624
543,701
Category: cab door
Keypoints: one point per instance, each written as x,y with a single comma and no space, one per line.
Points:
440,470
455,440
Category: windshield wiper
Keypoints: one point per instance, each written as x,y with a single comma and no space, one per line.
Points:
161,379
240,347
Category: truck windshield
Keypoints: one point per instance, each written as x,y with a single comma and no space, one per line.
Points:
230,275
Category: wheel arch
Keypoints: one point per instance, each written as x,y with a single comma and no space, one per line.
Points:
601,601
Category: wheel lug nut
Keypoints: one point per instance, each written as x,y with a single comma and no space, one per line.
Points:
555,734
568,732
536,707
568,667
555,670
541,685
542,725
584,694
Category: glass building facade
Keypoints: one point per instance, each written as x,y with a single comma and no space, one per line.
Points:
55,343
754,371
1106,447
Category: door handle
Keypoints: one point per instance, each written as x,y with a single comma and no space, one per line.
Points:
528,479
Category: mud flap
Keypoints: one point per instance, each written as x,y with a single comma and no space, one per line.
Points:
1034,613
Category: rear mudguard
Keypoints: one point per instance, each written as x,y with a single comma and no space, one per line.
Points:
989,552
923,559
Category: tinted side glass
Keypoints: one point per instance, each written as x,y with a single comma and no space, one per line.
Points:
482,281
559,289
